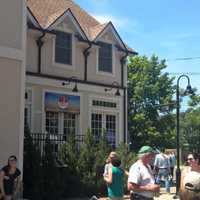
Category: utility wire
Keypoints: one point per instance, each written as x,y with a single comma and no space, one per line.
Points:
184,59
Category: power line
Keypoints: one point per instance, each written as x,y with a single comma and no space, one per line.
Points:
184,59
187,73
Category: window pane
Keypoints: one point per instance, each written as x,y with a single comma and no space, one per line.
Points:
52,122
105,57
63,48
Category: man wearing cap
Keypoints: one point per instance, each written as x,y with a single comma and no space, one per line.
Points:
141,180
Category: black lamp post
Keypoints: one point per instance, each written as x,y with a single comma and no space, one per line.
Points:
187,91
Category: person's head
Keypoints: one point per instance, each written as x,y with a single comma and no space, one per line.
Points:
111,156
192,159
116,162
12,161
146,154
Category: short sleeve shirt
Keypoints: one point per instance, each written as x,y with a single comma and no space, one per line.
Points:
141,175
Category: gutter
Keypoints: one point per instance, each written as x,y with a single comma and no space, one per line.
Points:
122,61
86,53
40,43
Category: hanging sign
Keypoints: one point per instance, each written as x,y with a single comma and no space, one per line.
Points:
62,102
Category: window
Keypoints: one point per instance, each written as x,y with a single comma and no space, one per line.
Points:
104,104
105,57
104,123
111,129
28,108
52,122
69,123
96,125
63,48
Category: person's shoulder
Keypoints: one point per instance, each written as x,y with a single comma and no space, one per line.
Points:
136,166
4,169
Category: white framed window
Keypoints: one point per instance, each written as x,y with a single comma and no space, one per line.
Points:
52,122
105,59
104,123
70,123
61,123
64,50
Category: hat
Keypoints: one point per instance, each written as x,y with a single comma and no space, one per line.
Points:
147,149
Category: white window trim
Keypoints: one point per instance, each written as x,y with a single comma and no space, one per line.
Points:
113,60
107,111
60,65
78,129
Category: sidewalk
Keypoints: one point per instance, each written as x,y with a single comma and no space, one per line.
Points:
166,196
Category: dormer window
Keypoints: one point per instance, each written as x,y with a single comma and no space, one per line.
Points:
105,61
63,48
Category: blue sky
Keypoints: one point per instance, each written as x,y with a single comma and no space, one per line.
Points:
167,28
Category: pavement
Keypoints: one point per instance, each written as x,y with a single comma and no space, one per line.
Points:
163,195
166,196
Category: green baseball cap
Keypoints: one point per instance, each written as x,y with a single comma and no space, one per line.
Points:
147,149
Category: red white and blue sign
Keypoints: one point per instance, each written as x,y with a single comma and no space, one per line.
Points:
62,102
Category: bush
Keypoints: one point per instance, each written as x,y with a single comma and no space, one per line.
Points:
81,175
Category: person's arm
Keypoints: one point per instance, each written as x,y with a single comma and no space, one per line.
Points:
183,173
139,188
17,184
108,178
2,174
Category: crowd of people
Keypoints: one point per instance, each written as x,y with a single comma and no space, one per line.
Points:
148,173
9,179
144,177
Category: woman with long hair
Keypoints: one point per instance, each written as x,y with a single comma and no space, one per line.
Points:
190,179
9,177
115,180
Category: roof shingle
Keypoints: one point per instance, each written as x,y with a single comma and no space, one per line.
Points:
47,11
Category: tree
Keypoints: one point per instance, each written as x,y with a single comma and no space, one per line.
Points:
190,130
148,88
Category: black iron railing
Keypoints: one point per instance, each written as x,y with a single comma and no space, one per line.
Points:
55,140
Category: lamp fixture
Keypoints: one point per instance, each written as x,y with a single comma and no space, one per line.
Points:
71,79
117,93
75,89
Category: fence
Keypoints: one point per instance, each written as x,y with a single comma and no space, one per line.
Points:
56,141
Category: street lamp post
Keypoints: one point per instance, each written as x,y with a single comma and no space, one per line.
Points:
187,91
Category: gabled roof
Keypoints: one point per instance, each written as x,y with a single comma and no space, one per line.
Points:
47,12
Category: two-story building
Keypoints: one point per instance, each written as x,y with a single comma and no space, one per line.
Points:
76,72
75,78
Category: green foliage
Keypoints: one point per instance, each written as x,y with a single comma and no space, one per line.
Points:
190,130
149,87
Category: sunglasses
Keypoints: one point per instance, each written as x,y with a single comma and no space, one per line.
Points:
190,159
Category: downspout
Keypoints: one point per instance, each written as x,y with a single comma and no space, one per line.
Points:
123,59
86,53
40,44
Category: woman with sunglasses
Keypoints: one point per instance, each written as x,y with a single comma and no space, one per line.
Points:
9,177
192,166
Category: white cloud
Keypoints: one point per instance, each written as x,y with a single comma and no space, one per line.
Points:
119,22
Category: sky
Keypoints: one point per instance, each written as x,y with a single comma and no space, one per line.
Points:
168,28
